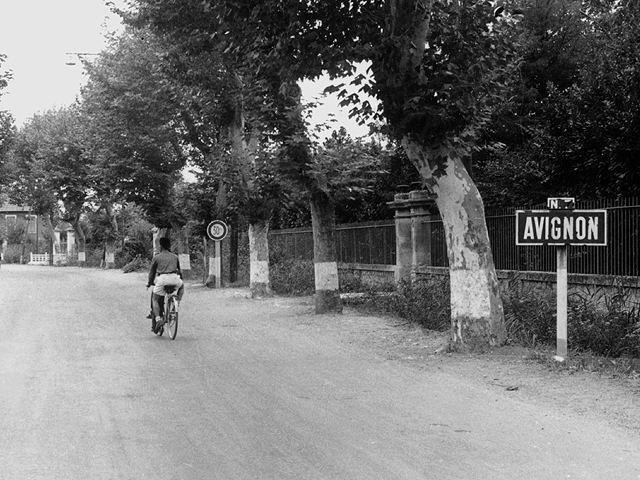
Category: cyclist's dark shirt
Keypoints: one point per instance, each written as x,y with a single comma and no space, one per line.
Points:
164,262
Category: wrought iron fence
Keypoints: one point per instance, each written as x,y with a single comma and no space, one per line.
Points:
374,243
621,256
291,244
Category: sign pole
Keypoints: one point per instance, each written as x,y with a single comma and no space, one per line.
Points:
217,264
205,273
561,312
217,231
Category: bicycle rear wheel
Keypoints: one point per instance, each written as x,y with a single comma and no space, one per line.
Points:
172,318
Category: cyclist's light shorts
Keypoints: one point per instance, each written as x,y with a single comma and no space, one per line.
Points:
166,279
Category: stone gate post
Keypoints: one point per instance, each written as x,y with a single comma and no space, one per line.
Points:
422,206
413,232
404,255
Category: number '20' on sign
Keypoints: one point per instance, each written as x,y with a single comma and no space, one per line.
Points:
217,230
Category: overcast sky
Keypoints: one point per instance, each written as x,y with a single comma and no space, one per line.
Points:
36,36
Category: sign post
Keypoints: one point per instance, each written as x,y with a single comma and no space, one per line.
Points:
217,231
561,302
561,225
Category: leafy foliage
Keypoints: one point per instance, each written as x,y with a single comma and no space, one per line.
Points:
292,277
424,302
598,119
4,76
611,331
529,314
130,114
7,137
49,168
570,122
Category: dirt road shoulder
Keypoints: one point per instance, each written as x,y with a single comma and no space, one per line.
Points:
526,374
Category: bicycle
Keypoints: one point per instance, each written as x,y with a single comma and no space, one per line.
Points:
169,313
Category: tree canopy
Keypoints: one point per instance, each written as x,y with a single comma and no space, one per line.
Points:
569,122
131,116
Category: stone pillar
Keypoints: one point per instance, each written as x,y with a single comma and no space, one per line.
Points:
404,250
413,232
422,207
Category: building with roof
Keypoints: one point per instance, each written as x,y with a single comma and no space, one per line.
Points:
21,232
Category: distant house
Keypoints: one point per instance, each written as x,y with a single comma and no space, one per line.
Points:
18,223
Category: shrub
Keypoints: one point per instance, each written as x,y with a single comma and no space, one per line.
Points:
94,256
530,314
292,277
13,254
426,301
595,325
613,331
350,282
136,265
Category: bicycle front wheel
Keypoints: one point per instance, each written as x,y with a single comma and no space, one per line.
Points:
172,319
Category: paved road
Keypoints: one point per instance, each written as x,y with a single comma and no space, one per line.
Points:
249,390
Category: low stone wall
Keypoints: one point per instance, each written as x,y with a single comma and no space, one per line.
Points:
601,288
370,274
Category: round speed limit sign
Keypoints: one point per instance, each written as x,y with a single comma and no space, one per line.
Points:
217,230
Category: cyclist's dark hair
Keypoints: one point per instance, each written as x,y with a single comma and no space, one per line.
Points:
165,243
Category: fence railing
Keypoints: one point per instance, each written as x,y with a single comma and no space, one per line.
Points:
39,258
374,243
621,256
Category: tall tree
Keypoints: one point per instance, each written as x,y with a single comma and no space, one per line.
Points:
247,115
48,168
438,77
131,120
223,119
341,169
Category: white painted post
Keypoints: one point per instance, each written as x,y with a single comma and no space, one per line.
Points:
561,312
185,262
215,268
218,265
205,273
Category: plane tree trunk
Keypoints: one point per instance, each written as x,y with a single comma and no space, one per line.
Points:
259,258
111,236
256,207
477,318
323,219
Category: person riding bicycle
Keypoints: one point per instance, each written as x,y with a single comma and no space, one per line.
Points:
164,271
